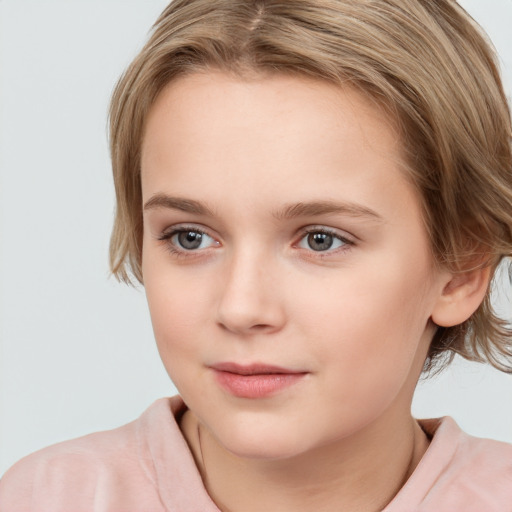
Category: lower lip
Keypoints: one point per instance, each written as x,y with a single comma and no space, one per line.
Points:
256,386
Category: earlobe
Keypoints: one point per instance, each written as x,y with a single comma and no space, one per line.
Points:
461,297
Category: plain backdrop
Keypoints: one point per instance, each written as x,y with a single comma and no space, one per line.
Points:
76,349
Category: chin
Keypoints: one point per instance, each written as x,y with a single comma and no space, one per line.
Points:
256,440
263,448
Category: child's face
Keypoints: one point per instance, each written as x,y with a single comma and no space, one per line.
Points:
280,231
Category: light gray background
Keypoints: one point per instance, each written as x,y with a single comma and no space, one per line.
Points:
76,349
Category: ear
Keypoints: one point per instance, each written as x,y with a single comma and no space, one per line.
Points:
461,296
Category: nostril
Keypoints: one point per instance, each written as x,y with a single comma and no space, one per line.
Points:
248,329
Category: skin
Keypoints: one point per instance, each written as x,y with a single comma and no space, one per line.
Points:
356,318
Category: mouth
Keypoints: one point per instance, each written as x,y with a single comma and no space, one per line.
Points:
255,380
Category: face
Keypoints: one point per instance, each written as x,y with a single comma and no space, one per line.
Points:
285,262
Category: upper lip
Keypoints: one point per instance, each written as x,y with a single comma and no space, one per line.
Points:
252,369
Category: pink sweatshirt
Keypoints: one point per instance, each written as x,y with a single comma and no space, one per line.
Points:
146,466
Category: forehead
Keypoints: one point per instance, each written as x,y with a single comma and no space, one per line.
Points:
215,105
212,131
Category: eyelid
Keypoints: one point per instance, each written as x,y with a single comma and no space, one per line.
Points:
320,228
168,232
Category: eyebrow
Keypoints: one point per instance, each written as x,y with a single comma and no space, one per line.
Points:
315,208
177,203
291,211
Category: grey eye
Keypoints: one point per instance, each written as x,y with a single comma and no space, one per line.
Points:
191,240
320,241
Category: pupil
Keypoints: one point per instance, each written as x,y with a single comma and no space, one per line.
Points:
320,241
190,239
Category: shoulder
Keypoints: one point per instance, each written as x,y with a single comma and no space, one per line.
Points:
464,472
477,456
485,464
110,466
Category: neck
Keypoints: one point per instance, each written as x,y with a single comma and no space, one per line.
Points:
360,473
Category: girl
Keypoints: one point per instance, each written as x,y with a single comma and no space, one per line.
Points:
316,196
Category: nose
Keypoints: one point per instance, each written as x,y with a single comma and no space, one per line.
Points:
249,300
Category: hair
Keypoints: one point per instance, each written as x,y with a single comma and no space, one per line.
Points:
426,61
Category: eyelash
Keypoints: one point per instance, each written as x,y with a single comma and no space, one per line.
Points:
347,242
167,236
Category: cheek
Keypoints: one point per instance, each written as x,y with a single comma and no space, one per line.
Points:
370,323
177,308
175,311
175,323
365,299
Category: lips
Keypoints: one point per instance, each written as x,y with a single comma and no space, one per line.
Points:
255,380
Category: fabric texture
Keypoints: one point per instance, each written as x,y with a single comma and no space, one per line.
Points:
146,466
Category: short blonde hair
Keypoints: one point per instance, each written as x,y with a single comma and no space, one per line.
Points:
426,61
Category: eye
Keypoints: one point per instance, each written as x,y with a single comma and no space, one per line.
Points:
188,239
322,240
